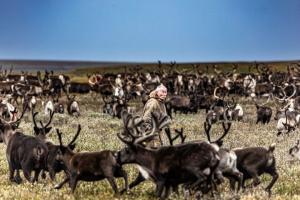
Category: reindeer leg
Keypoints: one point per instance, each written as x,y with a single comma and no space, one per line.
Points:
73,182
166,192
58,186
18,179
11,174
275,176
27,174
52,174
122,173
159,189
137,181
36,175
113,184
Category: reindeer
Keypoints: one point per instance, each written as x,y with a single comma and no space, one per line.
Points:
89,166
228,159
53,165
234,111
23,152
288,118
254,161
73,106
263,112
169,166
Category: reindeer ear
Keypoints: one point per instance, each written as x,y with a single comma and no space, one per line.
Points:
47,130
36,130
72,146
14,126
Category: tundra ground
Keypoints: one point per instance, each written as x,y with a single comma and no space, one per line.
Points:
99,133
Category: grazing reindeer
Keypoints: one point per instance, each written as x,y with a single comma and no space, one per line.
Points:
90,166
23,152
73,106
254,161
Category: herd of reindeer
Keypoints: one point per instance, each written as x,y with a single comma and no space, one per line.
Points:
199,166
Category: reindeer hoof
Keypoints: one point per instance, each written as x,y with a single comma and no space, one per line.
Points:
17,180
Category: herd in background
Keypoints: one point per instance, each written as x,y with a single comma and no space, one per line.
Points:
198,166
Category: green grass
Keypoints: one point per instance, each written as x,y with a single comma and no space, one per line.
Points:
99,133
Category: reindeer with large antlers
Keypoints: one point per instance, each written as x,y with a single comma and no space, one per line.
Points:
169,166
89,166
288,118
23,152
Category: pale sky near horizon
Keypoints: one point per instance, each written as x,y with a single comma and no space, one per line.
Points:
150,30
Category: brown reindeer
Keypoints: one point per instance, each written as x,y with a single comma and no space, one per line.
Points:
90,166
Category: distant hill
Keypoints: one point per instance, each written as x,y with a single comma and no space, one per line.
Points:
95,66
56,65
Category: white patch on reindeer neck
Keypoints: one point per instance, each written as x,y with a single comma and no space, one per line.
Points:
215,146
144,173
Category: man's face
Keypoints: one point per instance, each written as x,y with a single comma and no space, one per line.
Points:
162,94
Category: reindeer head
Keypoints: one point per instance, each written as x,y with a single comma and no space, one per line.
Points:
8,127
43,130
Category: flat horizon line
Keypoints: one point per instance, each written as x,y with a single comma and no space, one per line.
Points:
138,62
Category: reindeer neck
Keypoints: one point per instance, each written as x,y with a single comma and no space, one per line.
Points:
145,157
67,157
8,134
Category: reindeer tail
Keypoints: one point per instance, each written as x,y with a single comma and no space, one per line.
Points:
271,147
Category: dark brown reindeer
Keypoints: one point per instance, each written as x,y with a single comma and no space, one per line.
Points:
23,152
53,165
89,166
263,112
169,166
255,161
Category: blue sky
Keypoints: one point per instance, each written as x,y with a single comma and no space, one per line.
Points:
150,30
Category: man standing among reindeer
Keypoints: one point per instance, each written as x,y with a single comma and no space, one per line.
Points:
155,104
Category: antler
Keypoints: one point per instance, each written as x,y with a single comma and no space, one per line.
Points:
179,134
76,135
261,105
59,137
51,116
215,93
33,118
207,128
